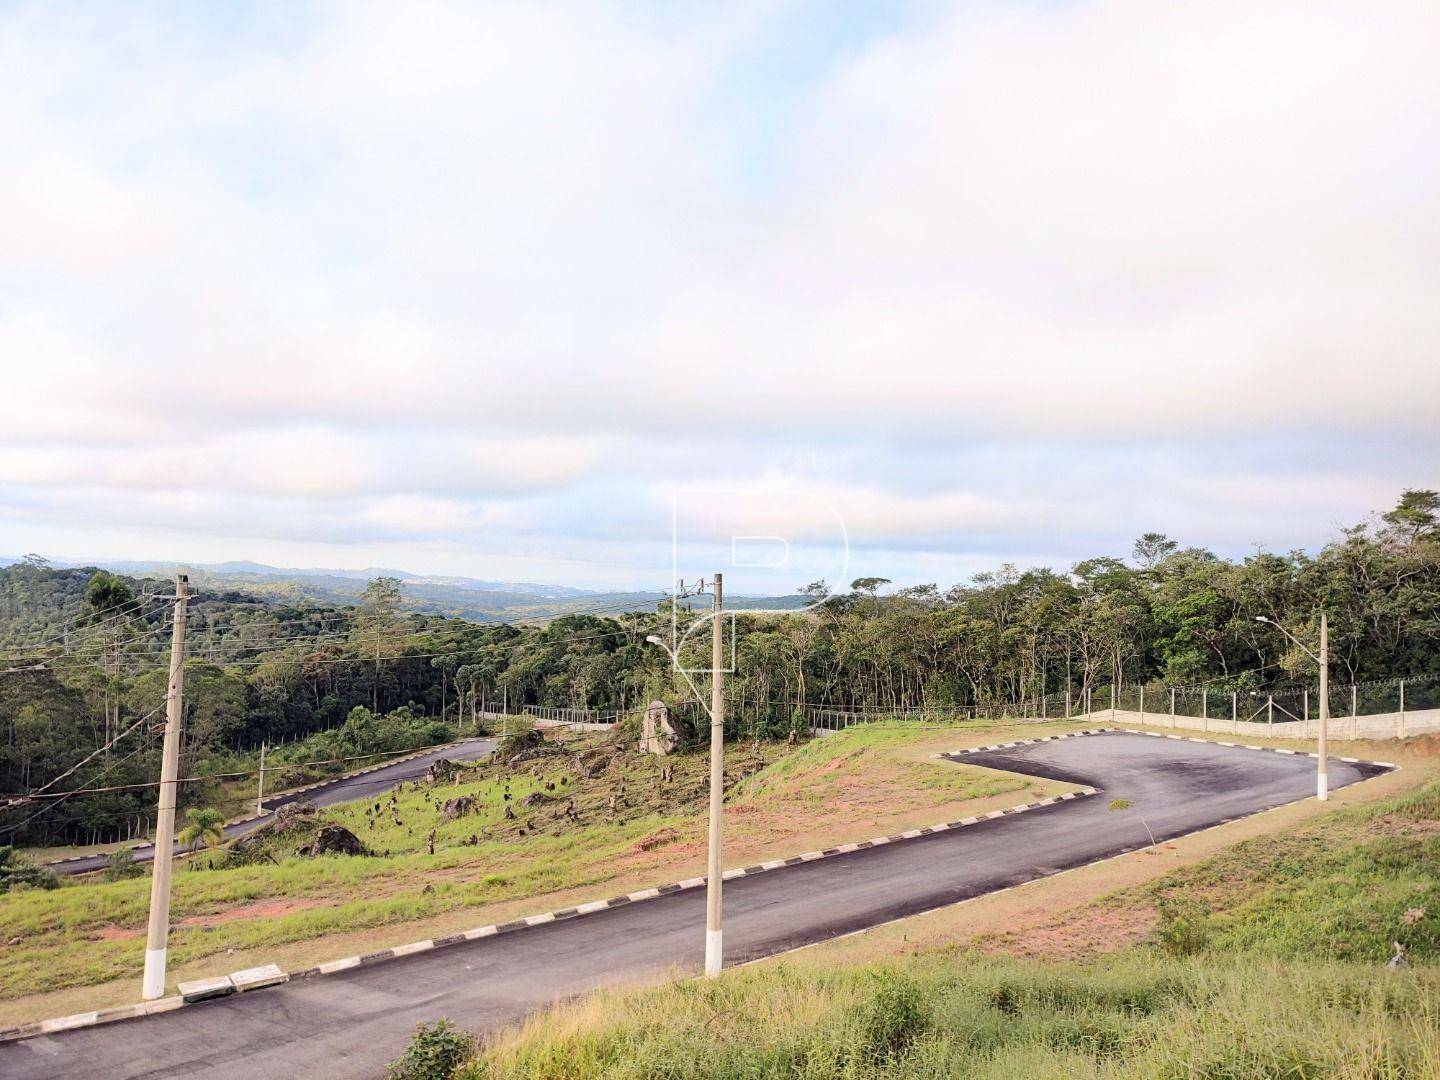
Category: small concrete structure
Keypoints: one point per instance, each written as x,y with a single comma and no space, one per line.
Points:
657,734
204,989
256,977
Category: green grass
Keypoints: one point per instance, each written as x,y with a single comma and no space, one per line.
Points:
60,931
90,931
1338,889
824,770
969,1016
1288,936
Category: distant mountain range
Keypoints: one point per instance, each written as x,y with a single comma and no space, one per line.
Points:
432,594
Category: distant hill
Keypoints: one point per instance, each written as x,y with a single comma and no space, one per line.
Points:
427,594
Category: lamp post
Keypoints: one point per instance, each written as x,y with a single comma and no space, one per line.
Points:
714,877
1322,777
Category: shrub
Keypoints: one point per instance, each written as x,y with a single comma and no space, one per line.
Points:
522,735
1183,927
893,1016
19,871
121,865
435,1051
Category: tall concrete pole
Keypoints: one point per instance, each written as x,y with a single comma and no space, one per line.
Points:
159,931
714,951
260,794
1322,778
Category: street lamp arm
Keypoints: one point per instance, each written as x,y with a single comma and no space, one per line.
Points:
1298,643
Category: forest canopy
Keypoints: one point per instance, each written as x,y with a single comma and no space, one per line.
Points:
83,653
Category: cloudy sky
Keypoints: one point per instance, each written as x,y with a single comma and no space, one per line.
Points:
473,288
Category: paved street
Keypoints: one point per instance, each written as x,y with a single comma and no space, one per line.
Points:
350,1024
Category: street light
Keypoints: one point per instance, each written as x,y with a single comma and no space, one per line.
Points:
714,950
1322,778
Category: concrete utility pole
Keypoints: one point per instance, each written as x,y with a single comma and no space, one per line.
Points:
260,795
715,868
1322,779
1322,774
159,930
714,950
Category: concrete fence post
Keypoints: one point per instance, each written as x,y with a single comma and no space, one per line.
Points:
1270,708
1234,710
1305,714
1354,709
1402,708
1142,703
1205,708
1172,706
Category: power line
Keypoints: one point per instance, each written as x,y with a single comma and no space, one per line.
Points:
60,796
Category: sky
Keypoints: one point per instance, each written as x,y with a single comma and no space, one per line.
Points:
578,293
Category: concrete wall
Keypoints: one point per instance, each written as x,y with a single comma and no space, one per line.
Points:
541,722
1379,726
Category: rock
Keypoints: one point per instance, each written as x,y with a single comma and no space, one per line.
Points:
591,763
332,839
292,818
443,770
458,807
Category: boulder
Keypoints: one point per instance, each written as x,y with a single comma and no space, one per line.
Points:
443,770
332,839
458,807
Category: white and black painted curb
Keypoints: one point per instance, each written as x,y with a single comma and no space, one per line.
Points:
269,975
222,986
1023,742
288,795
1389,765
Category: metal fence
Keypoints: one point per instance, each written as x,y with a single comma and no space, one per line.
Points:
1386,708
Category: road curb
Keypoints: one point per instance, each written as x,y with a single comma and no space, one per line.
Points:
127,1012
951,754
1389,766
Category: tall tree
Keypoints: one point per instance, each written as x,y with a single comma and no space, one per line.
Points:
377,623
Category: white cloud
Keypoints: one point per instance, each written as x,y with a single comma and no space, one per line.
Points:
501,268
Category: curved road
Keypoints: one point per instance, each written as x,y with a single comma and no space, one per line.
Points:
351,1023
341,789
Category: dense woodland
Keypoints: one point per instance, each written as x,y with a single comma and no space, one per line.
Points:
84,653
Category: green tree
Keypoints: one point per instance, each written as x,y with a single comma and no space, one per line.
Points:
377,623
204,826
1415,515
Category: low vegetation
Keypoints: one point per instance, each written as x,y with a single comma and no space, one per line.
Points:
18,872
1269,959
556,813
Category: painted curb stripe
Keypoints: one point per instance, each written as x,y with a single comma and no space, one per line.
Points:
66,1023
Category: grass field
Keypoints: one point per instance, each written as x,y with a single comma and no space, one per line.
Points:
1261,960
88,935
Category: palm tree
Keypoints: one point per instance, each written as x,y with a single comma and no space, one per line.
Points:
206,827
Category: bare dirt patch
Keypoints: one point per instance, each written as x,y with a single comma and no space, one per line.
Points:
115,933
269,909
1087,931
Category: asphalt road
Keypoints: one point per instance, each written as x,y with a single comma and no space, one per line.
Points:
352,1023
341,789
